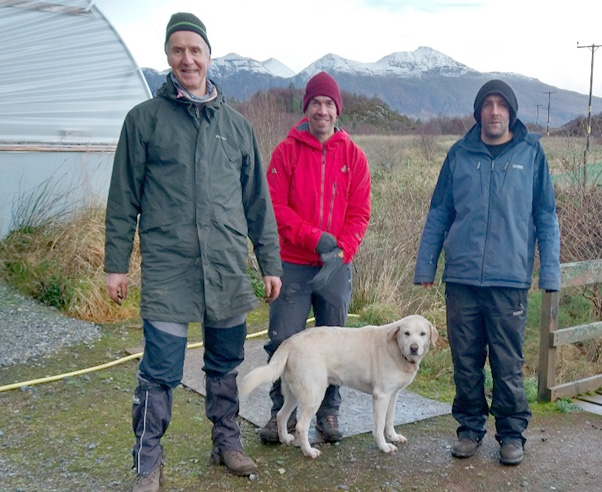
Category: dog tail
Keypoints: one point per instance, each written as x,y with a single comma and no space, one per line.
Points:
266,374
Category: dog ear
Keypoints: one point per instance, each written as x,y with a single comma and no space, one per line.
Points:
392,334
434,335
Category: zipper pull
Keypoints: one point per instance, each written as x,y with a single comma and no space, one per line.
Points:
479,165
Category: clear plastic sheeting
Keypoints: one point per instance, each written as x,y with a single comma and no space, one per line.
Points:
66,77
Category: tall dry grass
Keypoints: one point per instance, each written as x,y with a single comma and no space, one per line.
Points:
59,261
403,172
579,203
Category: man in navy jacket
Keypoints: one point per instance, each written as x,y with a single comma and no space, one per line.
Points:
493,202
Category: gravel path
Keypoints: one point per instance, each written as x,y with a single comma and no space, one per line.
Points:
29,329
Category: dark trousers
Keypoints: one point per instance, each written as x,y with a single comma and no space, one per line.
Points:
161,370
288,315
488,322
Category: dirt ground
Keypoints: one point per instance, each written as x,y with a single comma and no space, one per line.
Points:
563,453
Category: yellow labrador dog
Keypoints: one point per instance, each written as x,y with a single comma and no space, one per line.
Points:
378,360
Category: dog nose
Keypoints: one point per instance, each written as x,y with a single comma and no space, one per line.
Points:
414,348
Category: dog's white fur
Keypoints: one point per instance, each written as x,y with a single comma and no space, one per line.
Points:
378,360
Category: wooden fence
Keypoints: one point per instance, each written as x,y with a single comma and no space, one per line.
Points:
551,337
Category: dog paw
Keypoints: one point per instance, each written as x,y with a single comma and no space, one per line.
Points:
397,438
287,439
312,453
388,448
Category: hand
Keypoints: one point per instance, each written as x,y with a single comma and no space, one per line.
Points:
427,285
326,243
272,287
331,263
117,286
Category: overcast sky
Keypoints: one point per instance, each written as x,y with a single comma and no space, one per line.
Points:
537,38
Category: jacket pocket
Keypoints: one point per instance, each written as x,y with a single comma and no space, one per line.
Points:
150,221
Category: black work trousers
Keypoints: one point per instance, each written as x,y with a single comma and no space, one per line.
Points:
488,322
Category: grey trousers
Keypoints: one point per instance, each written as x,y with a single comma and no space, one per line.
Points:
288,315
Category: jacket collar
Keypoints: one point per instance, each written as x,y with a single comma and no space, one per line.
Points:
169,91
300,132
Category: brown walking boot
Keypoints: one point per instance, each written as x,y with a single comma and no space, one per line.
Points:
149,482
236,462
269,432
329,427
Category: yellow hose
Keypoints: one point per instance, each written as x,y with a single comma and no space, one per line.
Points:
50,379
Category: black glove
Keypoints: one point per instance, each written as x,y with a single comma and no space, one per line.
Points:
332,262
326,243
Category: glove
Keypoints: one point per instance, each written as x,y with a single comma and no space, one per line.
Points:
326,243
331,263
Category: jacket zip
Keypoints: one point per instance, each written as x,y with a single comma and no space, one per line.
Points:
488,221
322,185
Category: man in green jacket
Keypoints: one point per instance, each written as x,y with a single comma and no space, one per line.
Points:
188,174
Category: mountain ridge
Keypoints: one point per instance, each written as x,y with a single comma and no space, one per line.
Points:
421,84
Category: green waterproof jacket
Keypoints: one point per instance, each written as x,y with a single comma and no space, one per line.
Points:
191,177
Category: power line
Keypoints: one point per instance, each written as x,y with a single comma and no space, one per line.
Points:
593,48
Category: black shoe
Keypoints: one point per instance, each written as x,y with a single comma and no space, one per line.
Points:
465,447
329,427
269,432
511,453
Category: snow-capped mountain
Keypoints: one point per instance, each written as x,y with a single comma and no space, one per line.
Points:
278,69
401,64
233,63
423,83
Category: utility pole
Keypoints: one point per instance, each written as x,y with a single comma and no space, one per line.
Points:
537,117
593,48
549,93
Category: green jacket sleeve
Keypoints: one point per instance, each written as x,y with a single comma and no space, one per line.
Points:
123,205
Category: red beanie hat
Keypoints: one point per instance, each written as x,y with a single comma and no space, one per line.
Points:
323,84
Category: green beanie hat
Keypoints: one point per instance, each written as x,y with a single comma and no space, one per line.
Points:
183,21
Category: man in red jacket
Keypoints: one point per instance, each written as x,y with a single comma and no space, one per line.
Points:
319,182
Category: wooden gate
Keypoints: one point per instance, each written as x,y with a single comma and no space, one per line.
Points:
573,274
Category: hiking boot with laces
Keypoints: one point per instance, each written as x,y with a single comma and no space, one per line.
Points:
149,482
465,447
329,427
511,453
236,462
269,432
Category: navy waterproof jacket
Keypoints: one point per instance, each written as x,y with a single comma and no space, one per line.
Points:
488,215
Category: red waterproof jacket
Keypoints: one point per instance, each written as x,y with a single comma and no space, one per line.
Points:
318,188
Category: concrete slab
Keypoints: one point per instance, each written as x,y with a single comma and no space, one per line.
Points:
356,407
